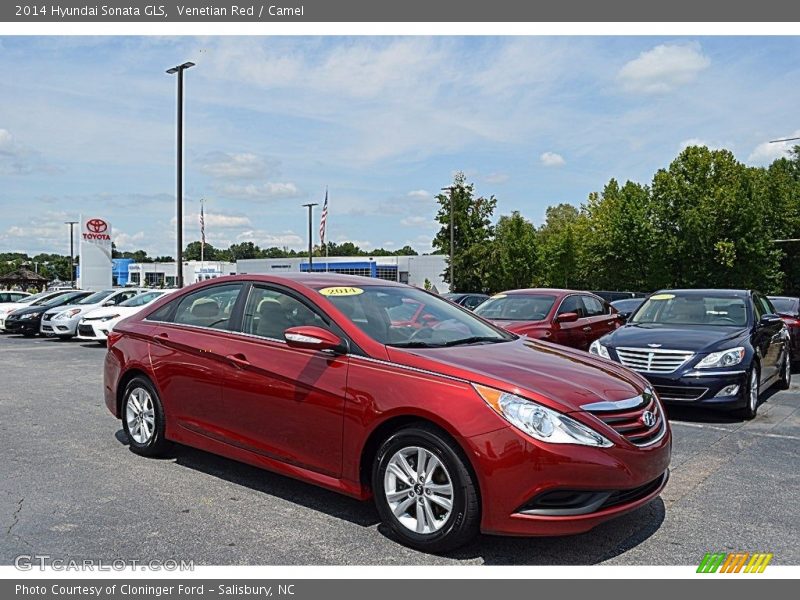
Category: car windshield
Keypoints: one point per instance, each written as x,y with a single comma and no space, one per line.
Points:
786,306
517,307
675,308
96,298
629,305
63,299
408,317
142,299
39,299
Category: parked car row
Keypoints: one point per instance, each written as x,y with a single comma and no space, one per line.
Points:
69,313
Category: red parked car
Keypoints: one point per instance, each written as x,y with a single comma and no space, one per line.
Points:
454,428
789,310
565,317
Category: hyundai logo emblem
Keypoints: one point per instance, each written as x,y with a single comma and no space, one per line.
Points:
648,418
654,345
96,225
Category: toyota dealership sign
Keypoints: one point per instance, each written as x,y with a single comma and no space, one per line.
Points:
95,252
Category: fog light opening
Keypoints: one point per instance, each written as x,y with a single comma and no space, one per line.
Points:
729,390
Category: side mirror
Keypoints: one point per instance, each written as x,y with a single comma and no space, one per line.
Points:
309,337
568,317
769,319
624,315
110,303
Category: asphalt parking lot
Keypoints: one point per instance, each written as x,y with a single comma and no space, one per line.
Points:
71,489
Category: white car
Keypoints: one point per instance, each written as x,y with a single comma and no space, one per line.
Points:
63,321
36,299
9,296
96,324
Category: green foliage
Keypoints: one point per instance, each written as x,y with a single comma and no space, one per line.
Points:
472,234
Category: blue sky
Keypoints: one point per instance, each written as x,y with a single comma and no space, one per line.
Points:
87,126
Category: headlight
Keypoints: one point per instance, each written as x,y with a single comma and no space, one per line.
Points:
67,313
539,421
724,358
109,317
31,316
599,349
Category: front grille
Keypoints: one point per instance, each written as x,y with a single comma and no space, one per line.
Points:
86,330
653,360
668,392
630,423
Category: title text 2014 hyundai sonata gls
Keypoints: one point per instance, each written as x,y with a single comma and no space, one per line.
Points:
453,427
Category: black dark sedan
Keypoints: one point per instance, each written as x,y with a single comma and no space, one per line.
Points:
627,306
718,348
27,320
470,301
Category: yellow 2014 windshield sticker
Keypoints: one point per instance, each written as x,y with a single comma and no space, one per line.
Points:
498,296
341,291
662,297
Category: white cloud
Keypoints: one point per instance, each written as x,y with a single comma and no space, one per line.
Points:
552,159
125,241
701,142
766,152
217,220
420,194
243,165
497,178
17,159
266,191
266,239
416,221
664,68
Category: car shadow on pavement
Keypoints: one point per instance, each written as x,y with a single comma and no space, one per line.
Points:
699,414
602,543
267,482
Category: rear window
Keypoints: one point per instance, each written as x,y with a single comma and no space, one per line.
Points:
785,305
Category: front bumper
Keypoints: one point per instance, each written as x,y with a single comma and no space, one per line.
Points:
693,388
22,326
96,331
59,327
514,472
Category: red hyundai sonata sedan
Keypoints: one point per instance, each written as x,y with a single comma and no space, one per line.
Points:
566,317
454,427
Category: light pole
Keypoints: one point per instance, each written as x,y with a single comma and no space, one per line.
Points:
310,207
452,190
179,258
71,252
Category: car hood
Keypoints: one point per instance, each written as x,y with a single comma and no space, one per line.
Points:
84,308
26,310
695,338
122,311
10,307
561,377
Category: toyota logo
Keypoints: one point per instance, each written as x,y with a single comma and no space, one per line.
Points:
96,225
648,418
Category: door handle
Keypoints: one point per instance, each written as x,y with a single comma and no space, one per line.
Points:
239,360
162,336
587,328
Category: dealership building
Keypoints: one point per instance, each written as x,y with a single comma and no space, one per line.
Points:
413,270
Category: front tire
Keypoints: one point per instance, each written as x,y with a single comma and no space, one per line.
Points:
143,418
785,381
424,490
751,393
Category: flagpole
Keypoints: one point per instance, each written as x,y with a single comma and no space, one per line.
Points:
327,263
202,236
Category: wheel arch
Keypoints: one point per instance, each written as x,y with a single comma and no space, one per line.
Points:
395,423
125,379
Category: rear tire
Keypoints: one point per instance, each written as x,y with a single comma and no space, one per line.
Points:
143,418
751,397
425,491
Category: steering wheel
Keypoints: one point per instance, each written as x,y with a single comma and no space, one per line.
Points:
724,319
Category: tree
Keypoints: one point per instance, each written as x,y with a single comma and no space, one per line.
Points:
621,243
472,229
561,245
513,257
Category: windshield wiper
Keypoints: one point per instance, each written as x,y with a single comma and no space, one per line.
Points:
474,340
415,344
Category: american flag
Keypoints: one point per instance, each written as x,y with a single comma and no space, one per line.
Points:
323,221
202,225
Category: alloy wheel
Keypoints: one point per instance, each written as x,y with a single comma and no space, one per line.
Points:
140,415
753,390
418,489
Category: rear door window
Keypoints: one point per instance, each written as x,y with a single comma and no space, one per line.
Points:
209,307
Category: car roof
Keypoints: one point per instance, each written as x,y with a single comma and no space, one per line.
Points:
548,291
706,292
